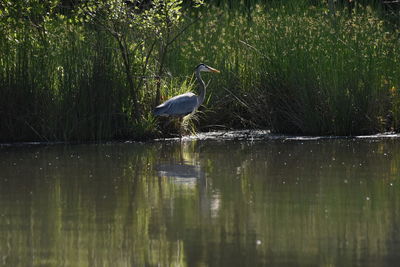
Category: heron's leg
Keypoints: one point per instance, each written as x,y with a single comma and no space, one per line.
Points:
180,127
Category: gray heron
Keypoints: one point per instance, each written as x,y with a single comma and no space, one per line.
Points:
184,104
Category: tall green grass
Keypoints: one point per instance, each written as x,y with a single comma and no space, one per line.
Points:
64,89
328,74
299,68
66,83
294,67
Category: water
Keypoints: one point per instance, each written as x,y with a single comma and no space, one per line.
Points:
202,203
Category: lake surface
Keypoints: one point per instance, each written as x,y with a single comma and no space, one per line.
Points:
202,203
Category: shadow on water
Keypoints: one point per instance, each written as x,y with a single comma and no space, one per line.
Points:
211,203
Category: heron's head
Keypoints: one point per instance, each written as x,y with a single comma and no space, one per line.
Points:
204,67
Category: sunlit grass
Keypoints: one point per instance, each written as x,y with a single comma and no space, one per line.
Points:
190,122
299,70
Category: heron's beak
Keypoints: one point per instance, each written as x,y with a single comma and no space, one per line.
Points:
213,70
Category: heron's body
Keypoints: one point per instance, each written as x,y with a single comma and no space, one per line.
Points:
184,104
178,106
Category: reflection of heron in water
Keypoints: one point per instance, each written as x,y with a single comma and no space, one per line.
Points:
184,169
182,172
188,172
190,177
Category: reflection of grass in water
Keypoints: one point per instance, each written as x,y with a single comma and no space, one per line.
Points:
308,205
143,220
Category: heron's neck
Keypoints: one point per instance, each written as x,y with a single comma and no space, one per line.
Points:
202,87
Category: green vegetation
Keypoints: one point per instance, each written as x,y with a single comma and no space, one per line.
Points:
80,72
300,68
94,71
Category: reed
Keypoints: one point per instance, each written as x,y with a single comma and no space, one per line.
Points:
294,67
64,80
300,68
329,75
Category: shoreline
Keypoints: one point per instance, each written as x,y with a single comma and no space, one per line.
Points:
231,135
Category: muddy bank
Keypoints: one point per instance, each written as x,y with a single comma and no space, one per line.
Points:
240,135
259,135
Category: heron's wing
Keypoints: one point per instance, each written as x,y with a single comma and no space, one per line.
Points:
179,105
